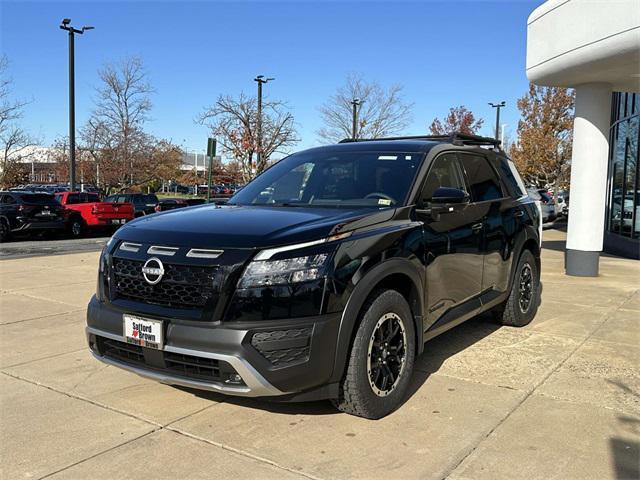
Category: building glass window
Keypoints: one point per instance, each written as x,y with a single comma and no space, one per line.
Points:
624,186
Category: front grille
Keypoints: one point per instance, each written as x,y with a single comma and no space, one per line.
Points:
176,364
193,367
182,286
125,352
284,347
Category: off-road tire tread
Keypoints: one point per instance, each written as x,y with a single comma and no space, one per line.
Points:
352,399
509,314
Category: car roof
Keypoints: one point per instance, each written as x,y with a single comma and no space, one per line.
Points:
418,143
419,146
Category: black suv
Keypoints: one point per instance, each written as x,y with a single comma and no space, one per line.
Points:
143,204
24,212
324,276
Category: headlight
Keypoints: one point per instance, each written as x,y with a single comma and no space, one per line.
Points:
263,273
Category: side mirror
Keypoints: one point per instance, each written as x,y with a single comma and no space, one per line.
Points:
448,196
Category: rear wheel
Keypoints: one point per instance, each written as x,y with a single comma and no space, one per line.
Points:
76,227
382,358
523,301
5,231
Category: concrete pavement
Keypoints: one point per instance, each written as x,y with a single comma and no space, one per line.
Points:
557,399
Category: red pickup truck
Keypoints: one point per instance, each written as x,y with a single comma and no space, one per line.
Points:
85,210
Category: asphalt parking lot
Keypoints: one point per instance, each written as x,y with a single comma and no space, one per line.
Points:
557,399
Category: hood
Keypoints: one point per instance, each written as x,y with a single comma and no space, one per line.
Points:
208,226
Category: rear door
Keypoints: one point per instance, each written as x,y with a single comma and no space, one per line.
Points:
489,203
453,248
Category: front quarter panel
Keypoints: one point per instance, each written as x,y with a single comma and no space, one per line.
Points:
394,248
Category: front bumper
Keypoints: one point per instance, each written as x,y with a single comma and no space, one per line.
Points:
275,358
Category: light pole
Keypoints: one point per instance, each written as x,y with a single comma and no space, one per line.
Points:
498,106
72,101
355,103
260,162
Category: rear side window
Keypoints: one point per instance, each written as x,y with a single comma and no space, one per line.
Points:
73,198
86,198
483,181
511,178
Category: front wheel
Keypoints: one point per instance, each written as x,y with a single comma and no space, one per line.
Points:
382,358
523,301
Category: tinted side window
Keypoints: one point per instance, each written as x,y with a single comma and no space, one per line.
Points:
92,197
72,198
511,178
483,182
445,172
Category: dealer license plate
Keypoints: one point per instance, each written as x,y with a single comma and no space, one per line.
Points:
143,331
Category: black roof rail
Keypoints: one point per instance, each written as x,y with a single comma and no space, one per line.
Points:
456,138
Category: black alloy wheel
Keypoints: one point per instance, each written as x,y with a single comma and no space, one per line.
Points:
387,352
525,288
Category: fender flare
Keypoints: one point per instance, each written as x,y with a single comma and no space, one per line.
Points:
357,299
529,234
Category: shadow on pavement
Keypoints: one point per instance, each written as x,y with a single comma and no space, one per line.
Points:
436,352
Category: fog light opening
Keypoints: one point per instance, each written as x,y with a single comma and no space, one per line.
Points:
234,379
93,343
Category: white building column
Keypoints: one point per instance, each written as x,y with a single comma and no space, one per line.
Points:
588,188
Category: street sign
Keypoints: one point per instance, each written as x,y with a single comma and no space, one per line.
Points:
211,147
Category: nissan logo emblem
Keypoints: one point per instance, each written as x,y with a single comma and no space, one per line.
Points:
153,270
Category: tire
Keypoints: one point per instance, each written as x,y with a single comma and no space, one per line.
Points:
358,395
76,227
516,312
5,230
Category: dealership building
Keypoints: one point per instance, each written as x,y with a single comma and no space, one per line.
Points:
593,46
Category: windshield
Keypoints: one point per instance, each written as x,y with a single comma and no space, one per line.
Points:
334,179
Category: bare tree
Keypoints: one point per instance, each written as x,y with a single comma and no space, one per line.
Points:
114,139
14,141
233,121
459,119
116,127
383,112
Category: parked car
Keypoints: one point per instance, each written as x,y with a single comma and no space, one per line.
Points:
623,216
27,212
549,203
143,203
86,211
562,199
195,201
546,202
325,275
170,204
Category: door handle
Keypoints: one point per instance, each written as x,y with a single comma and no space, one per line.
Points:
477,226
